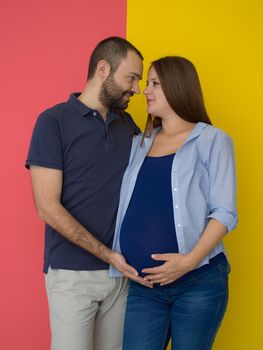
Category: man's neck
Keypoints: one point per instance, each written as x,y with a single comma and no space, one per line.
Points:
89,97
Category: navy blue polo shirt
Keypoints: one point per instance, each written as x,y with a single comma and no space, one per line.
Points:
93,155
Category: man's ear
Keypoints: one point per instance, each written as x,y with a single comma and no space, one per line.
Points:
103,69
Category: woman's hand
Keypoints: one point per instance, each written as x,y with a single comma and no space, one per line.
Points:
174,266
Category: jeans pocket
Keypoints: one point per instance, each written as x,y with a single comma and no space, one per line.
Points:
224,267
213,273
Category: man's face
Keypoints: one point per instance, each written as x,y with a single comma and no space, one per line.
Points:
118,87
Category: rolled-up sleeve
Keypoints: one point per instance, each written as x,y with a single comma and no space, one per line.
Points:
222,173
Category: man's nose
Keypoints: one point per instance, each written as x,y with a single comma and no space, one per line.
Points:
135,87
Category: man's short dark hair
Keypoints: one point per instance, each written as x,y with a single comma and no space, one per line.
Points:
113,50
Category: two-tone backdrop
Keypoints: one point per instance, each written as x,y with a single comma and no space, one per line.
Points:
45,47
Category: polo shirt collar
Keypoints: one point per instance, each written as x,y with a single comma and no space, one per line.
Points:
78,105
85,110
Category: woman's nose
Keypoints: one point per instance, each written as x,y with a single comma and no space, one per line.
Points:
146,91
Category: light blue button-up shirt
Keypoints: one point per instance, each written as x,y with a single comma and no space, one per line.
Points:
203,185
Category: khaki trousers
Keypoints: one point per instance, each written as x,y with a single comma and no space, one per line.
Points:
86,309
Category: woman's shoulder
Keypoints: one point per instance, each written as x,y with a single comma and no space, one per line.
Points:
211,133
211,139
137,140
138,137
141,139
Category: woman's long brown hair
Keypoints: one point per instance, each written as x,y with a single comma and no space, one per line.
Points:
181,86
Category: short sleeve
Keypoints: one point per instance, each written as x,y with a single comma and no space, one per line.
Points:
46,148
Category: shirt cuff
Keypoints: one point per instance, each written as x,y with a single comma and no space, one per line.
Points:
227,218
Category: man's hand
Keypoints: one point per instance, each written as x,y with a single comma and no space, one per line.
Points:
174,267
120,264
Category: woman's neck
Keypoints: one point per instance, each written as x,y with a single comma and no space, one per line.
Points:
174,125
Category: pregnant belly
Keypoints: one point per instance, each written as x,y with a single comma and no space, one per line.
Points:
138,245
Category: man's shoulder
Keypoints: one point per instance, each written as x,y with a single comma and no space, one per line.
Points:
56,110
57,116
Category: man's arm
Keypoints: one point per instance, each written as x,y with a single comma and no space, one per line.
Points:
47,187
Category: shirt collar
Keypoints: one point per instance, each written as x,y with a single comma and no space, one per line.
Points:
78,105
197,130
86,111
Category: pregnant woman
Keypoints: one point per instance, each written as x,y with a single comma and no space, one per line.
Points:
177,203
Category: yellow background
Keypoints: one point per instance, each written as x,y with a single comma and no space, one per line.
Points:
224,41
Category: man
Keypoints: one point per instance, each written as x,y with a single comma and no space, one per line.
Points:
77,157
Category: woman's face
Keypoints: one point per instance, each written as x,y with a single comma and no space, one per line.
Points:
156,100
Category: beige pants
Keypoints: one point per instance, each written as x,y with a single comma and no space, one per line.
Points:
86,309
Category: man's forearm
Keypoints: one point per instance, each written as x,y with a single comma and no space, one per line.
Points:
62,221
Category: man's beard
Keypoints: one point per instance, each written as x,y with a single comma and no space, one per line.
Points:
112,95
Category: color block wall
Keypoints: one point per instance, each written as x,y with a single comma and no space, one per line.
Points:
45,46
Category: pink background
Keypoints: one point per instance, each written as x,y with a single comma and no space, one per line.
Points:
45,47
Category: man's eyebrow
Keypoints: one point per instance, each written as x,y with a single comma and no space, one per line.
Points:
137,75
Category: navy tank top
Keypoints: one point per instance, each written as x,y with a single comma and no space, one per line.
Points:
148,226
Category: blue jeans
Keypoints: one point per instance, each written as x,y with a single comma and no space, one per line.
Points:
189,309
